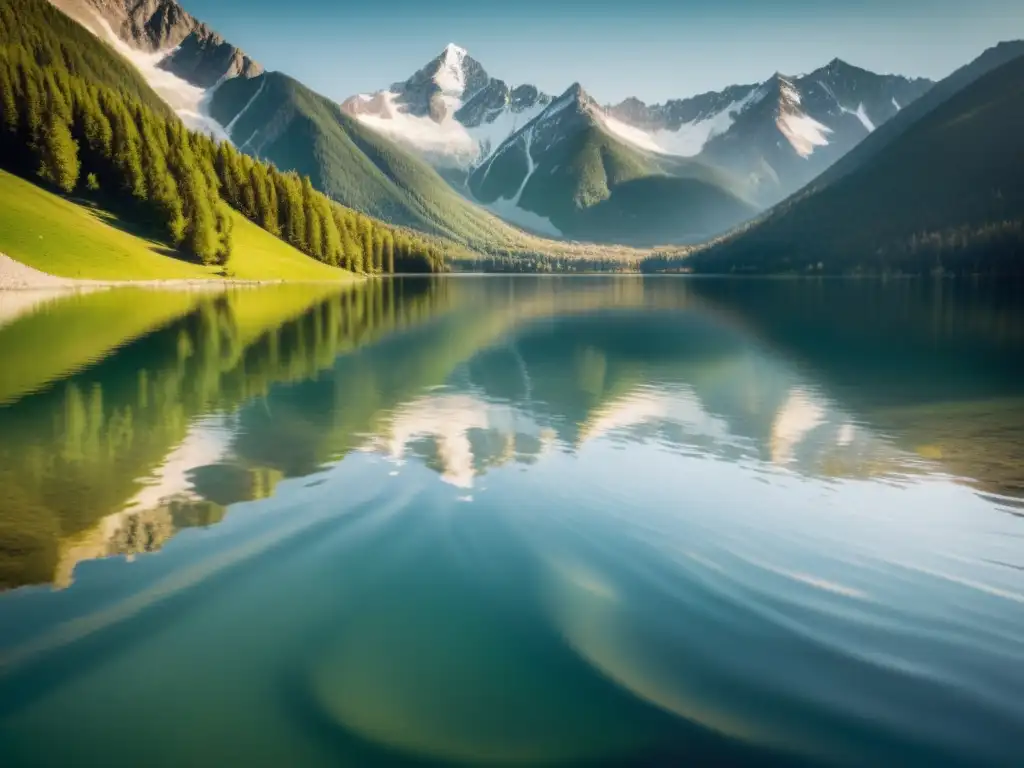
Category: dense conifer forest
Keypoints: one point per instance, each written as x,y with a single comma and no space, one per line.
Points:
76,118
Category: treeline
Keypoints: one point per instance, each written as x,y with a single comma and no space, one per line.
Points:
543,263
91,139
992,248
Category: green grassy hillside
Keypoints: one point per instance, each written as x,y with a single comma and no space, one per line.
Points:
946,195
68,239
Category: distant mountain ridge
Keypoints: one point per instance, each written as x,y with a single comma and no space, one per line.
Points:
940,192
989,60
779,134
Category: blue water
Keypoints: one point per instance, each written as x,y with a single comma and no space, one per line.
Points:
524,521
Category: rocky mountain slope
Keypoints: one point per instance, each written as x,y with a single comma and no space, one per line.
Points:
192,51
451,111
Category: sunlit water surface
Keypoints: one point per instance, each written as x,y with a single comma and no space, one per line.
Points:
514,521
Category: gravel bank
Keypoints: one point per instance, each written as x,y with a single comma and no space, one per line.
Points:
16,276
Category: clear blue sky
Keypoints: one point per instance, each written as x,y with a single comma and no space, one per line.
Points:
652,49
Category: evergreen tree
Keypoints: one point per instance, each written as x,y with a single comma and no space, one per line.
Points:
266,199
389,253
201,235
8,98
330,237
59,155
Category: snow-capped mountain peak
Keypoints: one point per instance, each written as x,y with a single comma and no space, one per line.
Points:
452,71
451,111
454,51
573,97
451,76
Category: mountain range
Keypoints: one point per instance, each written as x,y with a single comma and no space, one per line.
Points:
682,170
485,162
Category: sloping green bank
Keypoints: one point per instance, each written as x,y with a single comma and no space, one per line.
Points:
63,238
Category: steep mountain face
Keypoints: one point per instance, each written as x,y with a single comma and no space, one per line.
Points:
568,172
451,112
944,192
778,135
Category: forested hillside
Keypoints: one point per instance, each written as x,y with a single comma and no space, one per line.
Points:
280,120
79,119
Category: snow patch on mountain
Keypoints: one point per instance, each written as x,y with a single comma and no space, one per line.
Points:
803,132
635,136
451,76
789,92
445,138
531,166
448,138
188,101
689,139
489,136
860,113
414,116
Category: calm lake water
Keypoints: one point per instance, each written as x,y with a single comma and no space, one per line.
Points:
514,521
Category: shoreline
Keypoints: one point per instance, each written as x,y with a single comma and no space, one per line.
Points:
15,276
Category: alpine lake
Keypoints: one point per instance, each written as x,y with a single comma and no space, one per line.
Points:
498,521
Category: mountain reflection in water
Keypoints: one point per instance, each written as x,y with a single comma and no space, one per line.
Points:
558,521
